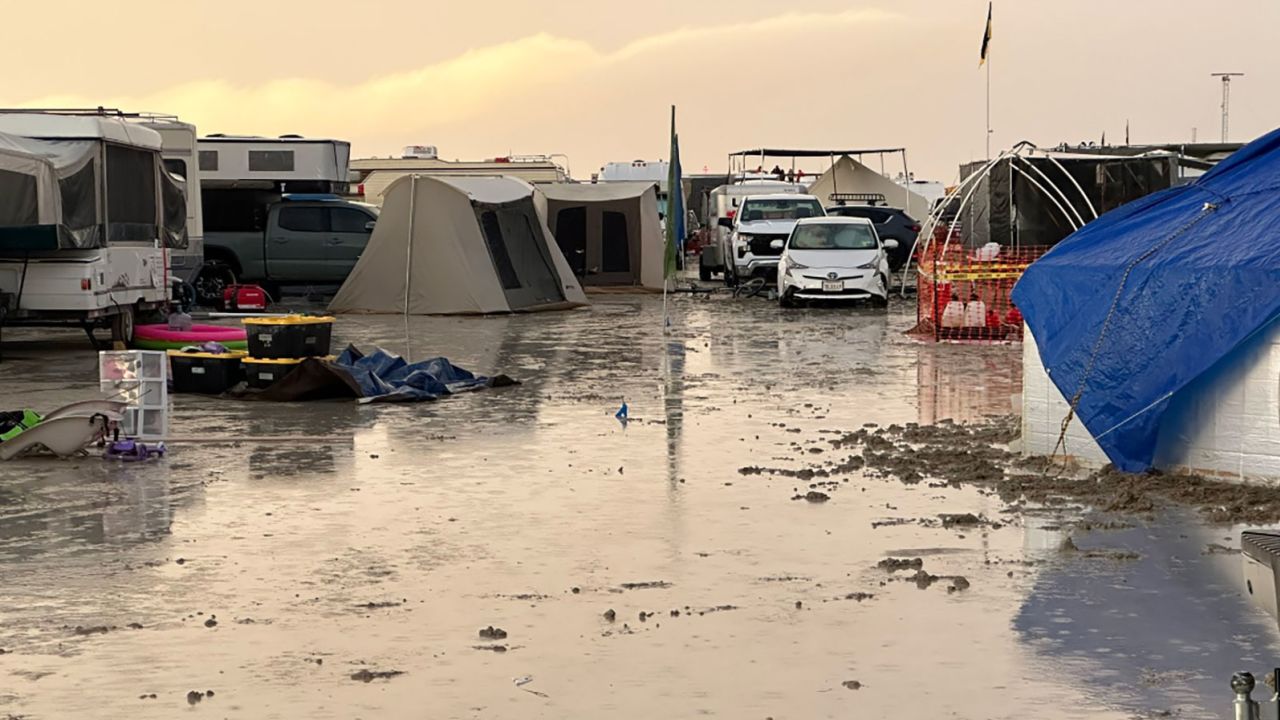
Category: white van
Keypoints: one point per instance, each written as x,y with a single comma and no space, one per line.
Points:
723,203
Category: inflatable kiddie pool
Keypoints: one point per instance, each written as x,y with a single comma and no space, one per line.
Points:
160,337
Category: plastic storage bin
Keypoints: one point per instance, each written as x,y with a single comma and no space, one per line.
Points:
138,378
205,373
262,373
292,337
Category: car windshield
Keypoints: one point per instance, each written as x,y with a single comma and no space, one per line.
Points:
781,209
833,236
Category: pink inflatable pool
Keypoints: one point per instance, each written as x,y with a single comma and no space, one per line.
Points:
160,337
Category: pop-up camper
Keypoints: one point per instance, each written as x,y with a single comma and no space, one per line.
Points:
87,216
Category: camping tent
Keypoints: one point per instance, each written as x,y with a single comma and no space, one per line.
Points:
456,246
847,175
609,232
1159,296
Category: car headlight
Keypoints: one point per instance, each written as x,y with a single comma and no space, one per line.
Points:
793,265
869,265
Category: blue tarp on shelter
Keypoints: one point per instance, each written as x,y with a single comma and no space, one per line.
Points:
1203,264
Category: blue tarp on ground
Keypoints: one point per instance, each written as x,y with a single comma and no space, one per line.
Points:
1203,263
385,377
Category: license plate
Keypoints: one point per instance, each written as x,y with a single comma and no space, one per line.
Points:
832,286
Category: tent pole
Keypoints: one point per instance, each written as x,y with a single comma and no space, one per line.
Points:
408,262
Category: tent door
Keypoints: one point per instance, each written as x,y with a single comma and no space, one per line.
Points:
571,236
613,250
520,255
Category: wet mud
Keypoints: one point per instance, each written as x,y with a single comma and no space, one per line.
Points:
806,508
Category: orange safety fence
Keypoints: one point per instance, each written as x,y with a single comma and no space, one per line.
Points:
963,293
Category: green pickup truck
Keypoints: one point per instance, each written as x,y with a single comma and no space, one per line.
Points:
297,240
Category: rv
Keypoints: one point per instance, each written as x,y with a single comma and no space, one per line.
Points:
178,150
87,214
290,163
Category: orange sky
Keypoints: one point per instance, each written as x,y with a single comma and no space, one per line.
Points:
595,79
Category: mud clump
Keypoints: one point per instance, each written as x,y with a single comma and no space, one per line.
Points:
813,496
93,630
852,685
195,697
958,584
366,675
493,633
491,648
896,564
648,585
610,615
379,605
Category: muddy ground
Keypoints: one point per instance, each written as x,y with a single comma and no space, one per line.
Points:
785,528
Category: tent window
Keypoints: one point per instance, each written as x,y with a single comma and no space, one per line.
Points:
131,194
571,236
209,160
79,198
270,161
498,250
304,219
173,192
615,248
20,206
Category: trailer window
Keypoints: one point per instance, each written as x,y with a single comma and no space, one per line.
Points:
209,160
131,194
270,161
20,206
304,219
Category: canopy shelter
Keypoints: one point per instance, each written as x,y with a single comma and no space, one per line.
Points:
608,232
740,162
849,178
459,246
1137,306
84,182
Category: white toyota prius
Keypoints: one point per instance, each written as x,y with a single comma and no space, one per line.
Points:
834,259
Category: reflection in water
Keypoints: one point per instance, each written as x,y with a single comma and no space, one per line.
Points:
1164,630
967,383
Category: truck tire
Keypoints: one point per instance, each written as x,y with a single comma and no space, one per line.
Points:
704,272
122,325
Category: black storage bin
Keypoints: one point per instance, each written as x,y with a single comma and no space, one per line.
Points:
262,373
204,373
292,337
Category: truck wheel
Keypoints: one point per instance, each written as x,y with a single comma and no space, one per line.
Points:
122,326
730,278
213,278
704,272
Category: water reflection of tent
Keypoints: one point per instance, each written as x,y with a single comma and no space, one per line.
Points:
609,232
457,246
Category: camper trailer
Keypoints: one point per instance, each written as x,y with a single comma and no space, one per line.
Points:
87,214
178,150
289,163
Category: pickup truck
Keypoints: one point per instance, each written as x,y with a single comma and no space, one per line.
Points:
299,240
759,231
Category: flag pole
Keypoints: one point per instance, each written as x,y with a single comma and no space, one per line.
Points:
988,104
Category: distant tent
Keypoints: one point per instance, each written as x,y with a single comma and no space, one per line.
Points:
471,245
850,176
609,232
1154,297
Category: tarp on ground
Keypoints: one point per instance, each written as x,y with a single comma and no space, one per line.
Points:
850,176
470,245
377,377
1193,271
608,232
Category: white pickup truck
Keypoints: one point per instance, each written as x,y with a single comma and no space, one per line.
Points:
759,231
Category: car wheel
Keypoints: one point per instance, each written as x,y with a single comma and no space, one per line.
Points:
704,272
730,276
882,301
786,300
122,326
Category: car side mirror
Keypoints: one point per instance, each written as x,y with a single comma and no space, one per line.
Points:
777,244
726,222
890,244
368,227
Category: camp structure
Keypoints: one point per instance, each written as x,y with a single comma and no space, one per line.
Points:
848,178
1154,329
459,246
608,232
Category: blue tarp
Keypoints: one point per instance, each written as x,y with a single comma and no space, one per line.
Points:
1203,263
384,377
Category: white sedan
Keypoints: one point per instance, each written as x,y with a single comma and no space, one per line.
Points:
834,258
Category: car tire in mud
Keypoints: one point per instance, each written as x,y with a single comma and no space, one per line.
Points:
881,301
704,272
785,300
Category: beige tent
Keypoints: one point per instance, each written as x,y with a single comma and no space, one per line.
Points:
608,232
850,176
457,246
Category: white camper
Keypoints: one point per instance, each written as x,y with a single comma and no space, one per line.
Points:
87,214
178,149
290,163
